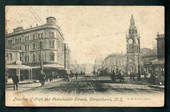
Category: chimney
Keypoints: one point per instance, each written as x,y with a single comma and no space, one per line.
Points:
51,20
18,29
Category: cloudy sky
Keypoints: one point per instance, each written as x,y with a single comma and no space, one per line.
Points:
92,31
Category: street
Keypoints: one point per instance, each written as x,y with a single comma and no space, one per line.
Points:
87,90
90,85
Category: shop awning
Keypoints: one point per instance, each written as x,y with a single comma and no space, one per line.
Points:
18,67
56,66
158,62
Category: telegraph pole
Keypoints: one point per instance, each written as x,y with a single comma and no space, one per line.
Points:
139,73
41,60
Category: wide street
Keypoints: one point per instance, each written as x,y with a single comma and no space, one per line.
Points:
86,91
90,85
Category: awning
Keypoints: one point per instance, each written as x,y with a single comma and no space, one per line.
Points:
158,62
56,66
18,67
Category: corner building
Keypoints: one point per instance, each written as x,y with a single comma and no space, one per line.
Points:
28,41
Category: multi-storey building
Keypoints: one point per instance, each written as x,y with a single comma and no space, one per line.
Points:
44,43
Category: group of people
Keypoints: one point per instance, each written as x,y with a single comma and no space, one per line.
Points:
117,75
132,76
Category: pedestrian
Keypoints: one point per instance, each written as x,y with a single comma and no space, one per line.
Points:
133,76
42,78
113,76
119,76
15,81
76,74
50,77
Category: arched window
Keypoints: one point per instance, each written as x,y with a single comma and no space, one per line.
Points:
51,56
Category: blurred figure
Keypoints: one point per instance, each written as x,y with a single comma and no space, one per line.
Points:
113,76
76,74
42,78
15,81
51,77
133,76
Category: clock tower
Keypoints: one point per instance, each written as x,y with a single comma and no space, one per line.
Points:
133,49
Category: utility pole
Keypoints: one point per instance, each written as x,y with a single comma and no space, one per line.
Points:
41,60
139,73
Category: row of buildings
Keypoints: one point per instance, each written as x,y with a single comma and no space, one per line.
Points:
27,49
138,60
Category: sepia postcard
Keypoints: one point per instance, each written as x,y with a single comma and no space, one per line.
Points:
84,56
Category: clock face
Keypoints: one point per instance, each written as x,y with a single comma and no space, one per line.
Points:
130,41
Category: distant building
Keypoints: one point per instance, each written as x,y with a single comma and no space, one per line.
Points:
115,61
98,63
44,43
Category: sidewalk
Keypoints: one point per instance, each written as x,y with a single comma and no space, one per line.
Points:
158,86
27,85
23,82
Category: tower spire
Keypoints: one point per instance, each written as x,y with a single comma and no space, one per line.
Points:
132,21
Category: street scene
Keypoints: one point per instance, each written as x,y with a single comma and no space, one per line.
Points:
82,59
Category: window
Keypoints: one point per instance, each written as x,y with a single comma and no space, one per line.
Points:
9,42
27,59
34,46
26,47
51,56
15,40
9,56
51,43
38,36
41,35
51,34
33,36
33,58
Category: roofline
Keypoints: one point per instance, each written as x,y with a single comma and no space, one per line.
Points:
41,27
120,55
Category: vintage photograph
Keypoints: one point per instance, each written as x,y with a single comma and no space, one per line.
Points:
79,56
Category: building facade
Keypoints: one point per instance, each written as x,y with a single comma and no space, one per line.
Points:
44,43
114,62
12,57
14,65
160,46
133,48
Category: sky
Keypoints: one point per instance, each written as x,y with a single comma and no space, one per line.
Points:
92,32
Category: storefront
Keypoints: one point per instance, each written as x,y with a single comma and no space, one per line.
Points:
22,71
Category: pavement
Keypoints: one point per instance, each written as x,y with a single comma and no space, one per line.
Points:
27,85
